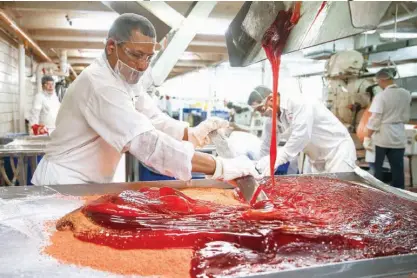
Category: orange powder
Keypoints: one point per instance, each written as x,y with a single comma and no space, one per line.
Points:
162,263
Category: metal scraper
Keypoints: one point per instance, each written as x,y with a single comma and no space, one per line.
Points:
247,185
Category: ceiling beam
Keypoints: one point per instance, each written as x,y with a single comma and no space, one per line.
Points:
181,40
55,5
193,63
71,45
164,12
207,49
67,32
85,61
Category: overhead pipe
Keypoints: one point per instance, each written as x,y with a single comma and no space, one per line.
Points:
22,35
398,19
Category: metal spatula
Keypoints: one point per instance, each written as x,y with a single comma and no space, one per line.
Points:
247,185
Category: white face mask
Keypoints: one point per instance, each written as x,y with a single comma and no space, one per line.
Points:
127,73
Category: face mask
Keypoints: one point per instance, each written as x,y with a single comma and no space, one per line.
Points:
127,73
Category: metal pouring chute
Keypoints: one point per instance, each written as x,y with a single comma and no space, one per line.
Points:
337,20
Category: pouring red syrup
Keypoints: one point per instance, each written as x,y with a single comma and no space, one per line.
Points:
273,42
307,221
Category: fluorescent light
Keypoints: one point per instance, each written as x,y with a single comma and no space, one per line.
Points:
399,35
214,26
370,32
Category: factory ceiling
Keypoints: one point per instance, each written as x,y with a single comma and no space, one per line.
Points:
81,29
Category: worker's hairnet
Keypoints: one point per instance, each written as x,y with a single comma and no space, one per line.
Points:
123,26
258,94
386,74
47,78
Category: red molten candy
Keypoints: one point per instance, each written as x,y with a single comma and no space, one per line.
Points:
307,221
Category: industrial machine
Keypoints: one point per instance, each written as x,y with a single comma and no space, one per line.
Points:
347,87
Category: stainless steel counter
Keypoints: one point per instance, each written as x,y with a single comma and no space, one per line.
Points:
25,150
392,266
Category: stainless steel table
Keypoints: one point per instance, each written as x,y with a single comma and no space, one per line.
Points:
390,266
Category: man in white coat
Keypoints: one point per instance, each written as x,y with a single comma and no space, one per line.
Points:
386,132
104,114
45,108
313,129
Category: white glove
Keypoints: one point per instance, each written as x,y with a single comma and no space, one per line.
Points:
368,144
230,169
262,166
198,135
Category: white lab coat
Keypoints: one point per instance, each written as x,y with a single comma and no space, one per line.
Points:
281,135
318,133
101,117
44,110
390,111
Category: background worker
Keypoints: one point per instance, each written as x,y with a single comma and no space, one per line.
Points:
45,108
386,132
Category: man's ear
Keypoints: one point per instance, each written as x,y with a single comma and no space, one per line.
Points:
110,47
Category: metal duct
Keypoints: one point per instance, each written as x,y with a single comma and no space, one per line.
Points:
244,34
122,7
11,25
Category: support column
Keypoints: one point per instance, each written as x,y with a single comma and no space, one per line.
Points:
22,92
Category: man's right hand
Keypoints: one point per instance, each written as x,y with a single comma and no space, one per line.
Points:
230,169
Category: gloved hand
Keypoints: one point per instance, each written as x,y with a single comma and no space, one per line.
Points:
198,135
262,166
39,129
368,144
230,169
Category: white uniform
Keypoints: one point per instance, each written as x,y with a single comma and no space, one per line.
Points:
266,143
44,110
100,118
390,111
317,132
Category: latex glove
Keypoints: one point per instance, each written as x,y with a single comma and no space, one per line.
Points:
39,129
263,165
368,144
198,135
230,169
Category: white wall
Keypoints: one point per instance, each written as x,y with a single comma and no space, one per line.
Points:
9,87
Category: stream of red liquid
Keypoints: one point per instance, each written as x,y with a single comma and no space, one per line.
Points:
273,43
307,221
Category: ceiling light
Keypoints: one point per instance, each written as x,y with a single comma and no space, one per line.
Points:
370,32
399,35
91,23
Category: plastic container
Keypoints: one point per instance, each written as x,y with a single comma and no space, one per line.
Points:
221,114
145,174
282,169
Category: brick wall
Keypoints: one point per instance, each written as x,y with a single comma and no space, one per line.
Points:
9,87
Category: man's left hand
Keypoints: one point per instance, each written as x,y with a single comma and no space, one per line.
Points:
199,135
368,144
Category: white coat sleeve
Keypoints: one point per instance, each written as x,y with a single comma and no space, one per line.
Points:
266,138
112,114
164,154
301,129
36,110
374,122
160,120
